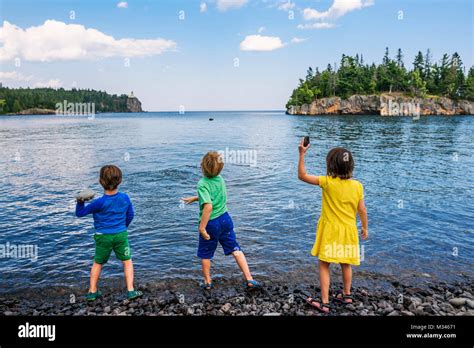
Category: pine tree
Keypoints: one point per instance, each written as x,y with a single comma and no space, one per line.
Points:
468,87
309,74
427,66
418,63
386,58
400,58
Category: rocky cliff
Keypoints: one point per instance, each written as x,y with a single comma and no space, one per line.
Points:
385,105
133,104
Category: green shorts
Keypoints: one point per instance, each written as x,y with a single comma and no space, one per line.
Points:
105,243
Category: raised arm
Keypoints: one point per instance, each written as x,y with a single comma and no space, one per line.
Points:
189,200
93,207
362,210
302,175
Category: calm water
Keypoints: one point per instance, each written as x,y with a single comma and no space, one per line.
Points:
417,177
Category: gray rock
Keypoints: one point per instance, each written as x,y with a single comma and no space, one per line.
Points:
393,314
225,308
470,303
457,301
350,307
407,313
446,307
466,294
419,311
272,314
85,195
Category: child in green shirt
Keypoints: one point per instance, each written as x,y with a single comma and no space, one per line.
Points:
215,223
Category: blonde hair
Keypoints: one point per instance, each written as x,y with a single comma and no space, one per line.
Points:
212,164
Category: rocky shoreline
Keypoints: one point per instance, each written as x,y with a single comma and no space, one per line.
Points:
33,111
386,104
229,298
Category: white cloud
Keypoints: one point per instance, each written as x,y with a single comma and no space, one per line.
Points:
261,43
297,40
224,5
338,9
54,83
319,25
203,7
122,4
261,30
54,40
13,75
286,6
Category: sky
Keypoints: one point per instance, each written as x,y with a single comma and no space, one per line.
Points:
215,54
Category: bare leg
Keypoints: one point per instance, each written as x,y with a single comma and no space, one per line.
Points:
128,272
95,275
206,270
346,278
324,280
242,262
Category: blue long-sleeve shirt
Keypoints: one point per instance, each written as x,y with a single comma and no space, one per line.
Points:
112,213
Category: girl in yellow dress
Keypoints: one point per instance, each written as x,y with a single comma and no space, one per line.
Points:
337,239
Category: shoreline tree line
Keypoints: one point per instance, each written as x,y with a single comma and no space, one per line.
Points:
13,100
424,78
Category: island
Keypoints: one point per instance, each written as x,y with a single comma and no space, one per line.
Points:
44,101
353,87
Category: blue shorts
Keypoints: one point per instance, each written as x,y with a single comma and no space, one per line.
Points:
221,229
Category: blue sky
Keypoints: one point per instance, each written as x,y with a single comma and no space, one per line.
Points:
192,61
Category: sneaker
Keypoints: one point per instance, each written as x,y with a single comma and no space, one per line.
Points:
92,296
131,295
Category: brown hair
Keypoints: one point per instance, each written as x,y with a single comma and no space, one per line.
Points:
110,177
339,163
212,164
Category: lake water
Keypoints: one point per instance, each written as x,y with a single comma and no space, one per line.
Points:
417,176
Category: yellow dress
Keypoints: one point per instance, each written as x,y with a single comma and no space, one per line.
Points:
337,238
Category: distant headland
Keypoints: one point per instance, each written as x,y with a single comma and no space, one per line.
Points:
389,89
45,101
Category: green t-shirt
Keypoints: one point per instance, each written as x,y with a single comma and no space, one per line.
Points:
212,190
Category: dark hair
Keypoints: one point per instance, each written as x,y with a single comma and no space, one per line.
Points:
110,177
339,163
212,164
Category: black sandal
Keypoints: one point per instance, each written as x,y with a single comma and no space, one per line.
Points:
322,307
343,298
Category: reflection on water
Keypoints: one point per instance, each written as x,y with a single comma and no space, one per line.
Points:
417,177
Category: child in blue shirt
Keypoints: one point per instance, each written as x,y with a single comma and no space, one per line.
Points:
113,213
